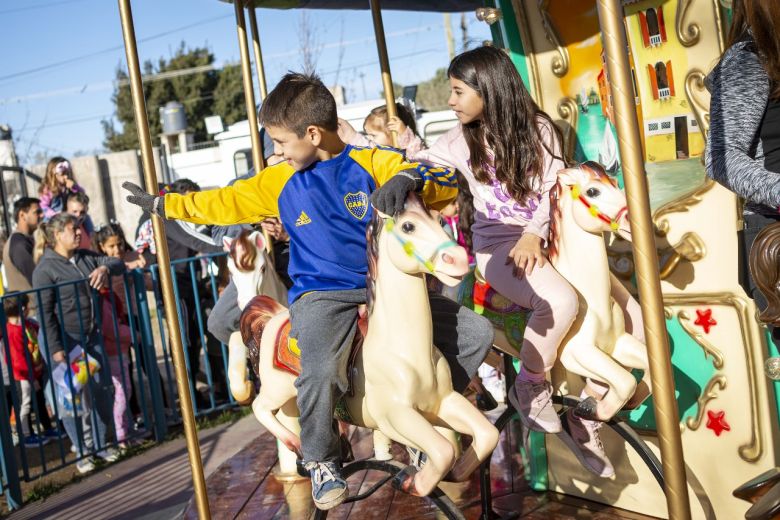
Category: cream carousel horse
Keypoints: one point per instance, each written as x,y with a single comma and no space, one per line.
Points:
585,204
401,384
253,274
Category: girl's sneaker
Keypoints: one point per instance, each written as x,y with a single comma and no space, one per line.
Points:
108,455
85,465
33,441
533,403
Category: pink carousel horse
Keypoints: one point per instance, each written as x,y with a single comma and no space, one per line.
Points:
586,202
401,384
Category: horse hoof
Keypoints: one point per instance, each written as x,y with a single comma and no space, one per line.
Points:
586,409
302,471
404,480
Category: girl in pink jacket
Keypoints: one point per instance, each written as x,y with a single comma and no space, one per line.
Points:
510,153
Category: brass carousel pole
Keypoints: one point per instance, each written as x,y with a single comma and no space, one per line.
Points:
249,90
384,63
258,53
646,258
164,262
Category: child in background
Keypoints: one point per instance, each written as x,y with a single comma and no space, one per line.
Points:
117,337
57,184
378,127
30,380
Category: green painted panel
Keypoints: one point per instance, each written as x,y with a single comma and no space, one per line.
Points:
512,40
773,351
691,370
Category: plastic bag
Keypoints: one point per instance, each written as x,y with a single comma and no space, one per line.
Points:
74,376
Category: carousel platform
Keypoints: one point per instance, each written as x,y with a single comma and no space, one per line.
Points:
245,487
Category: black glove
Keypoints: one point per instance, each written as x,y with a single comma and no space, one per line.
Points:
144,200
391,196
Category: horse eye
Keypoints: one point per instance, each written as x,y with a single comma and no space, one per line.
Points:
593,193
407,227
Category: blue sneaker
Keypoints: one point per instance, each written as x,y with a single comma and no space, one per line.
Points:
33,441
328,489
54,434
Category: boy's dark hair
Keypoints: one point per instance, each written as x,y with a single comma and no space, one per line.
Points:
12,303
78,196
184,186
24,204
297,102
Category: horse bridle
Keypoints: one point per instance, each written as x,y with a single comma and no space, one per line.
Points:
595,211
411,250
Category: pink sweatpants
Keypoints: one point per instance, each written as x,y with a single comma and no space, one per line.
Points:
120,376
553,301
544,291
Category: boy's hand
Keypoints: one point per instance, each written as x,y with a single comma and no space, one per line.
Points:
58,357
391,196
394,124
144,200
527,253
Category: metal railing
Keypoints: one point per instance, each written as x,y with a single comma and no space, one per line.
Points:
135,309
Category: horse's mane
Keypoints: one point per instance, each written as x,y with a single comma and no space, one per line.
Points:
246,261
373,230
596,171
254,318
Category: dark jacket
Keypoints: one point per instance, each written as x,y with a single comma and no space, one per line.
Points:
78,312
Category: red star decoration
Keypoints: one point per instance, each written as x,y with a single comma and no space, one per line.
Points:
704,320
716,421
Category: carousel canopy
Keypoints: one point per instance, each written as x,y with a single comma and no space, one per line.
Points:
443,6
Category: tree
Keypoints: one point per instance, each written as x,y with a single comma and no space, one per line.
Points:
432,94
203,91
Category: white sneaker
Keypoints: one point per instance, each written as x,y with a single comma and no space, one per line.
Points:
108,455
85,465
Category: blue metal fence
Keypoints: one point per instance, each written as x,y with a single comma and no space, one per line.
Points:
196,288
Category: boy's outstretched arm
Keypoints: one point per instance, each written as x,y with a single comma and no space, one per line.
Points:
396,178
245,202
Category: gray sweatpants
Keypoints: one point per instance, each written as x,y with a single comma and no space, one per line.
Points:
324,324
225,315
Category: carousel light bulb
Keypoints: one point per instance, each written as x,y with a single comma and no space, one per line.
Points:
772,368
489,15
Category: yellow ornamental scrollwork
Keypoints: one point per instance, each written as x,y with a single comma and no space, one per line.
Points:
699,99
560,63
567,109
688,35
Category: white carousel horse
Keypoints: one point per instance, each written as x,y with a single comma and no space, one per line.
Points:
586,202
253,274
401,384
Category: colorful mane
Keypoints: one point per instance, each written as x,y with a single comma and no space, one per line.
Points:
596,172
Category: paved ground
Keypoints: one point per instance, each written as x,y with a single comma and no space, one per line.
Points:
154,485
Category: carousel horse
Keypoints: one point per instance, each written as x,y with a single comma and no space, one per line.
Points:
253,272
400,383
586,202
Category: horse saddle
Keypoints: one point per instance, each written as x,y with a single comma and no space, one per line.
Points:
287,354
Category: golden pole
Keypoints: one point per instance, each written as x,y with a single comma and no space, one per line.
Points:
258,53
646,258
249,91
384,63
164,262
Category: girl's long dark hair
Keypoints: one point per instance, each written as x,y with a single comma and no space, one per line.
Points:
507,136
465,211
759,21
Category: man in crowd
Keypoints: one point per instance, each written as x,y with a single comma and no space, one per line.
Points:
18,250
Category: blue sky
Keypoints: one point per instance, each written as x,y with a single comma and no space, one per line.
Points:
56,107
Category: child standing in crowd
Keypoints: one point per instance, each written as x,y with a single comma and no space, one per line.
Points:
57,184
117,337
510,152
378,127
28,369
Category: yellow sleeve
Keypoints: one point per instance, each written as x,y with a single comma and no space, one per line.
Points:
441,185
245,202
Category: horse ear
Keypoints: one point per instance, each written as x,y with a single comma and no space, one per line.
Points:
226,243
259,240
569,176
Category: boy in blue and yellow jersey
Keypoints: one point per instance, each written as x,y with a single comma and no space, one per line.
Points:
323,193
